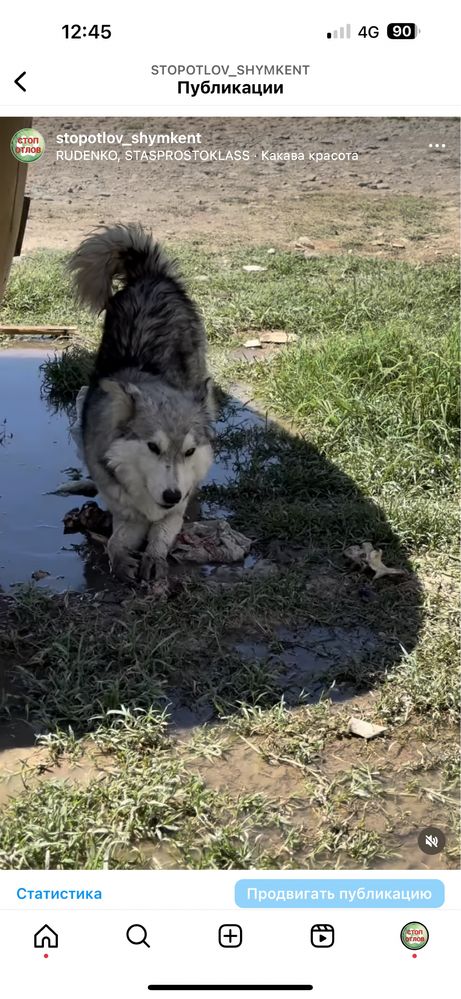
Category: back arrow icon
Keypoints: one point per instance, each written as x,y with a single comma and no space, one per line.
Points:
18,78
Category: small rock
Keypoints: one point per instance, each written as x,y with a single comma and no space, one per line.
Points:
304,242
398,246
278,336
364,729
40,574
250,268
244,355
271,250
252,343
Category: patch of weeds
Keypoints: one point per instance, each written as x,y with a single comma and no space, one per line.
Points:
39,291
381,385
64,374
422,683
150,798
74,663
342,846
283,736
377,418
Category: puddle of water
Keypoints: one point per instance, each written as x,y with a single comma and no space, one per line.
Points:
15,734
215,511
307,655
37,448
33,459
235,415
229,573
12,764
241,766
34,766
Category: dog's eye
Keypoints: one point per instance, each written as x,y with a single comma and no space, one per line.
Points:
153,447
189,453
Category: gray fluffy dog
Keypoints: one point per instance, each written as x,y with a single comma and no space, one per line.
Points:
147,416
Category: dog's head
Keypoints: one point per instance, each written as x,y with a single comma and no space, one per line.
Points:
162,445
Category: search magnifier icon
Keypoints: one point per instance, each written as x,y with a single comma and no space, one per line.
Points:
137,934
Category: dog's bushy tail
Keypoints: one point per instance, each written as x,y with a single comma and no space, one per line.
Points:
112,253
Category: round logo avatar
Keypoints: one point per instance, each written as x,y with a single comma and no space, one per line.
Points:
27,145
414,936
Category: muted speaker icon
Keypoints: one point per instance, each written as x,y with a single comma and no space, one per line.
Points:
344,32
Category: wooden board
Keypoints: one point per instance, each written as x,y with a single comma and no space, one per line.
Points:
6,330
13,176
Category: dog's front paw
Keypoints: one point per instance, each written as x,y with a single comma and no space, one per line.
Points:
146,567
148,562
124,566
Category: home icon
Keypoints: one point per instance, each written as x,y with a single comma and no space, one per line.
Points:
46,937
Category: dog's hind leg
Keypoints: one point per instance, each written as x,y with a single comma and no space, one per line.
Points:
159,541
126,538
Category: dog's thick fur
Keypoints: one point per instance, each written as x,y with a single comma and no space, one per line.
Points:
147,416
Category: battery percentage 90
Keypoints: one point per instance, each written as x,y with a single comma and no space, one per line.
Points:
402,30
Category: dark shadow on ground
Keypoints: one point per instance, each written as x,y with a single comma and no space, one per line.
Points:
297,620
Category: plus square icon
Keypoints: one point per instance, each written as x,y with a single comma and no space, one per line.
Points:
230,935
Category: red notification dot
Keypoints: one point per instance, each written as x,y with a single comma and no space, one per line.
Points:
413,955
46,955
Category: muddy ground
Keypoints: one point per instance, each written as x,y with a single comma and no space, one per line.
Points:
338,206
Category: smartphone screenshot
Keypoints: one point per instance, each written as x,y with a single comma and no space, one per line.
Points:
229,562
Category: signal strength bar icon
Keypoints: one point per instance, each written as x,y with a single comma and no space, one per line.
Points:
344,32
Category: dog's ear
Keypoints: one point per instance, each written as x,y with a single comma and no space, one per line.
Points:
204,395
124,398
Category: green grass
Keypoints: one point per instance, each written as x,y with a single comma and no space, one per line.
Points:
368,399
383,405
64,374
329,295
372,382
149,798
76,663
39,291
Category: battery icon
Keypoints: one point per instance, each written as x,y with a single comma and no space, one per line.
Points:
402,30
